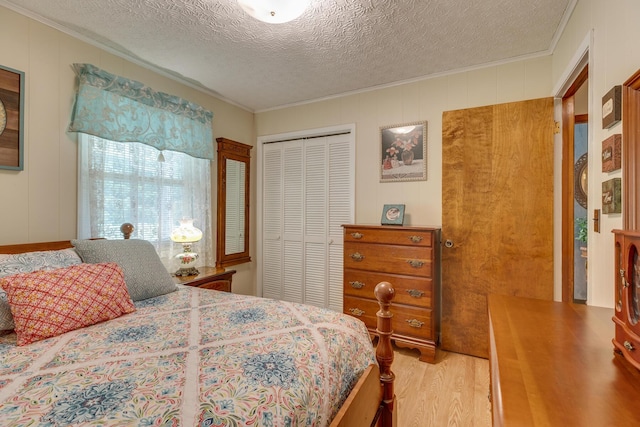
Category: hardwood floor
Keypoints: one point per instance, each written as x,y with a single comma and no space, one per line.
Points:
452,392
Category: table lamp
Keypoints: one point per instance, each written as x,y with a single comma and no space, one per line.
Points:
186,234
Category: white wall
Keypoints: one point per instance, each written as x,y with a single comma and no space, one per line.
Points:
423,100
613,57
39,203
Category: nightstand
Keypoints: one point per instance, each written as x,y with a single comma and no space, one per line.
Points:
218,279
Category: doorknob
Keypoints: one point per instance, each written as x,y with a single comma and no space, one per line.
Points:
448,243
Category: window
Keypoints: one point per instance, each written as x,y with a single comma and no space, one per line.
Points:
122,182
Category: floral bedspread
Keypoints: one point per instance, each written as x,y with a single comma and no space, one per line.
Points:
190,358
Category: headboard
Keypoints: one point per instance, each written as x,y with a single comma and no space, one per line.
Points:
126,229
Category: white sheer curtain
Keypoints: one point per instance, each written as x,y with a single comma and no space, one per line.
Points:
133,182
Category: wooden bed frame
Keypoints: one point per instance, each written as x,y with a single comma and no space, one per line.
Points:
372,401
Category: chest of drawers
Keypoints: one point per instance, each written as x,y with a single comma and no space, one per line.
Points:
409,259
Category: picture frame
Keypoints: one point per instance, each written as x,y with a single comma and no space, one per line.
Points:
611,196
392,215
11,119
612,153
403,152
612,107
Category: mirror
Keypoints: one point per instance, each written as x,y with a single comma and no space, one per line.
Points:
234,215
232,243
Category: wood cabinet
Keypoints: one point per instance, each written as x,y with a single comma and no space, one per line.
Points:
409,259
214,278
552,364
627,295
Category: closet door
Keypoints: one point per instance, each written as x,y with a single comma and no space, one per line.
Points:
272,180
308,195
341,208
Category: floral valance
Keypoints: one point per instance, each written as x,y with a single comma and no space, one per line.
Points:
119,109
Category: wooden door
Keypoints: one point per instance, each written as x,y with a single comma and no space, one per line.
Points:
497,225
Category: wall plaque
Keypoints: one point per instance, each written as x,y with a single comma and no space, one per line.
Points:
612,153
611,107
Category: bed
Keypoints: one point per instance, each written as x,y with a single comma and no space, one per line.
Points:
188,357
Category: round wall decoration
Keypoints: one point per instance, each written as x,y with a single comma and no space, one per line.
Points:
3,117
580,172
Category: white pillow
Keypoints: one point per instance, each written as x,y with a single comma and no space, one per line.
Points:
144,273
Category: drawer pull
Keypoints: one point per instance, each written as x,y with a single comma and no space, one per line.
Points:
357,256
415,263
415,323
629,346
357,285
416,293
415,239
356,311
357,235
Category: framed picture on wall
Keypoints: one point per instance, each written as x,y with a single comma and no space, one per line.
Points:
403,152
11,119
611,196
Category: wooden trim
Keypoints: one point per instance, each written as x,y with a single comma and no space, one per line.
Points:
569,119
581,118
33,247
568,124
631,150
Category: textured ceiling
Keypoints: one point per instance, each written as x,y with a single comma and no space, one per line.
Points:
335,47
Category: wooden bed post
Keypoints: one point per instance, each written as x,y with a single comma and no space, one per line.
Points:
126,229
384,293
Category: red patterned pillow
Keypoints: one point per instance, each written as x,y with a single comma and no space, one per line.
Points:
49,303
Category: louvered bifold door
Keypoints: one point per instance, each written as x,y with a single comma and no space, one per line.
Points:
308,195
293,205
341,210
272,222
315,222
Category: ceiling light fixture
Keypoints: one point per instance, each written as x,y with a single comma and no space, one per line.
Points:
274,11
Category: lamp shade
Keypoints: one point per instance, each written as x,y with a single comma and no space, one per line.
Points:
274,11
186,232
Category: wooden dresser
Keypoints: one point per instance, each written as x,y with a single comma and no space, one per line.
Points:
409,259
552,364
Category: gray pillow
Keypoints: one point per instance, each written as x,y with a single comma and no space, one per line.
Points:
144,273
26,263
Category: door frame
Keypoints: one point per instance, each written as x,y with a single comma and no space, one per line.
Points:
576,74
569,121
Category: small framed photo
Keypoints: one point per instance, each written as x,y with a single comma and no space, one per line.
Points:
612,107
392,215
403,150
611,196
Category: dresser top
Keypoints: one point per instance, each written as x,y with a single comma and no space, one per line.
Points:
390,227
552,364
